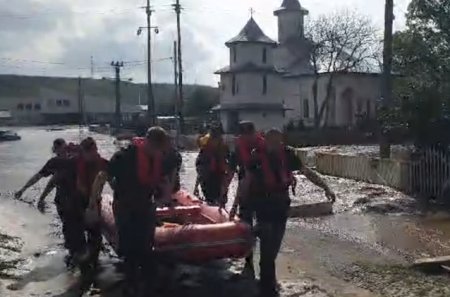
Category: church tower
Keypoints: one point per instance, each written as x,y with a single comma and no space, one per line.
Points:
249,84
291,17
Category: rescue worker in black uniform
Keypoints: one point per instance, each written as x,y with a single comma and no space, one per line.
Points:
140,175
74,177
273,164
247,190
59,148
213,171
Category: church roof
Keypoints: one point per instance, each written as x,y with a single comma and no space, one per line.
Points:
247,67
291,5
251,33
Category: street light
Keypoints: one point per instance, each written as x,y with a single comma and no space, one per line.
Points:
150,100
139,30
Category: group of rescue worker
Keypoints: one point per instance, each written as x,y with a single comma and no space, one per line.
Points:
144,176
265,167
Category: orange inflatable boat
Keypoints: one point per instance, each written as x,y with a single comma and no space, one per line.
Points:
191,232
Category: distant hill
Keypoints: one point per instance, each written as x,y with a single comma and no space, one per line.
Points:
15,87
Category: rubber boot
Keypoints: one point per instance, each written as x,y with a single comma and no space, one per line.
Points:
249,268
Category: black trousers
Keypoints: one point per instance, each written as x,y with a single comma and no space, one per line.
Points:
247,215
212,189
271,235
78,238
272,215
136,227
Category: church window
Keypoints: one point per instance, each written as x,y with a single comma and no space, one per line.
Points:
233,85
264,82
306,108
234,54
264,56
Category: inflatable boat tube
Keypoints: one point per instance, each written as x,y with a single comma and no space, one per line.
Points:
191,231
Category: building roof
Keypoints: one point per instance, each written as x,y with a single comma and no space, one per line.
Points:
354,73
251,107
291,5
251,33
248,67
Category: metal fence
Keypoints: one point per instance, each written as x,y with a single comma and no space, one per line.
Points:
429,173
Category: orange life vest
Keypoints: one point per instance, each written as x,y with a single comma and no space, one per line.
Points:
147,176
270,179
245,149
86,179
217,161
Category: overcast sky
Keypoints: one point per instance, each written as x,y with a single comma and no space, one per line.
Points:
58,37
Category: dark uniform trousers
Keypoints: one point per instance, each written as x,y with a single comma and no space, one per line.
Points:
247,214
272,215
212,188
136,227
78,237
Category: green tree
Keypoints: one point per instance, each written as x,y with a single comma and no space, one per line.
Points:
422,57
200,101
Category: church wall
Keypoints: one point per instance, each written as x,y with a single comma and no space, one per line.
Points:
251,52
361,90
249,88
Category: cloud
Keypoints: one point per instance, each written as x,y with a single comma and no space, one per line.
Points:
34,32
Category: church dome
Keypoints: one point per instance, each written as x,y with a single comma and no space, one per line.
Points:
251,33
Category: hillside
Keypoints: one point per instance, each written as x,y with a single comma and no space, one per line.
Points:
16,87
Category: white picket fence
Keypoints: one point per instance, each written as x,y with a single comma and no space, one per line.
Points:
425,175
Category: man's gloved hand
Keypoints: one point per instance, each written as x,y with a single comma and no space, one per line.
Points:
18,194
41,206
196,192
331,196
233,212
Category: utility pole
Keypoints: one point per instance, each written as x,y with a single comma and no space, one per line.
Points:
151,113
177,8
118,117
80,103
386,88
92,66
175,84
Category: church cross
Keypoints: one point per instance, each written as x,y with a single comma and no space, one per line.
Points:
252,11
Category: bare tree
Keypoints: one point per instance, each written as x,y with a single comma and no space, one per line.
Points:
340,42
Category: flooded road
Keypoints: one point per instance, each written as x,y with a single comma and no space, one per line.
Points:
363,250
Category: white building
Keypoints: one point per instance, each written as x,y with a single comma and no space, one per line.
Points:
270,83
56,107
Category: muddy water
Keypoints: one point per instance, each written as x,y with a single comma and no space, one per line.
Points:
367,244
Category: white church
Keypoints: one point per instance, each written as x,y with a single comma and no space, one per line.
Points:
270,82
